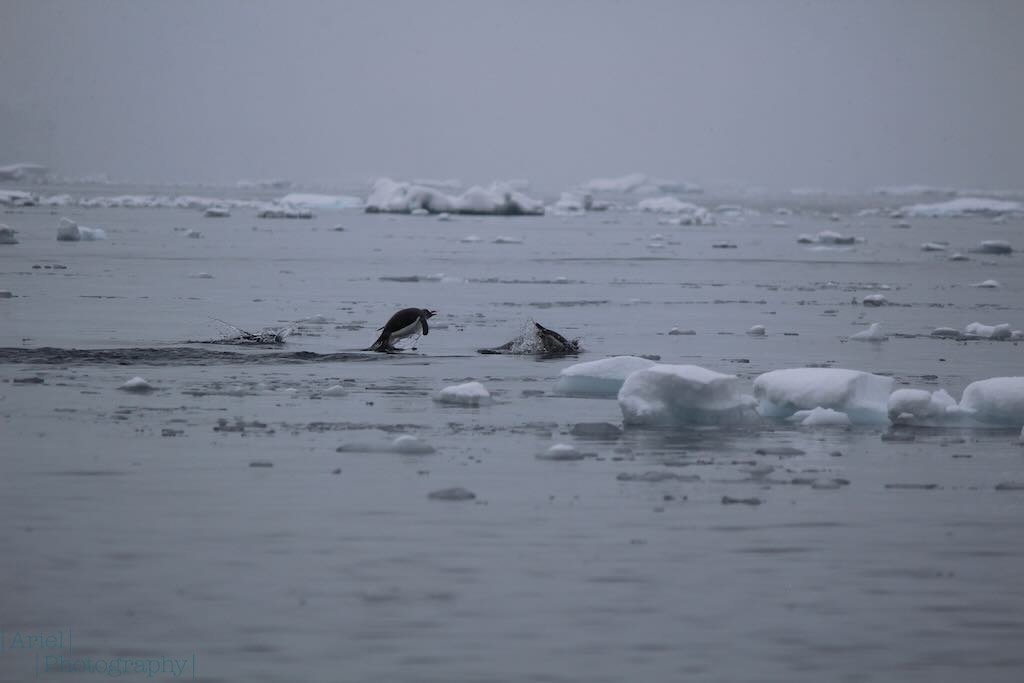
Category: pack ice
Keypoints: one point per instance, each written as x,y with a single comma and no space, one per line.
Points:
677,395
389,196
599,378
861,395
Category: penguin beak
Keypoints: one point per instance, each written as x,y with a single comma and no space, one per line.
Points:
431,313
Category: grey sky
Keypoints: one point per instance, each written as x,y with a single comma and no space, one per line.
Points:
779,94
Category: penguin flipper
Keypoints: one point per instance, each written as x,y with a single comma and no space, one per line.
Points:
426,328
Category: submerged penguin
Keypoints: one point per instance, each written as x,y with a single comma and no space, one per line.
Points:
406,322
543,342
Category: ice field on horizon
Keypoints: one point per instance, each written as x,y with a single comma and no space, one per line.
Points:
784,411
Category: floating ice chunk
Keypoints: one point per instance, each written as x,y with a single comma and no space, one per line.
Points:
468,394
756,331
821,417
389,196
217,212
945,332
676,331
873,333
194,234
1017,335
874,300
5,294
987,284
681,395
504,239
934,246
599,378
136,385
470,239
326,202
456,493
561,451
201,276
999,400
17,198
284,211
957,256
444,216
406,444
861,395
573,203
827,237
69,231
335,390
1001,331
922,407
994,247
964,206
7,235
688,214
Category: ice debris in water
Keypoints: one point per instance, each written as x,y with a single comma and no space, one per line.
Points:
861,395
756,331
7,235
389,196
945,332
686,213
194,234
70,231
655,476
681,395
994,247
957,256
821,417
934,246
217,212
873,333
1001,331
561,451
922,407
827,237
470,239
505,239
998,400
335,390
964,206
467,394
136,385
456,493
676,331
987,284
5,294
874,300
599,378
407,444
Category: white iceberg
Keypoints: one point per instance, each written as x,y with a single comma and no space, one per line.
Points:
922,407
136,385
686,213
999,332
467,394
873,333
599,378
69,231
861,395
999,401
964,206
683,395
389,196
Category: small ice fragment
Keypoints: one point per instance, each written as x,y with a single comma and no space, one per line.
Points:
987,284
444,216
874,300
655,476
995,247
468,394
407,444
821,417
202,276
922,407
503,239
469,239
729,500
7,235
194,234
756,331
335,390
945,332
136,385
561,451
861,395
217,212
683,395
1001,331
455,493
873,333
957,256
69,231
677,331
934,246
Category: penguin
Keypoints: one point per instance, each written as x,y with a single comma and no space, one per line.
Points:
544,342
552,342
406,322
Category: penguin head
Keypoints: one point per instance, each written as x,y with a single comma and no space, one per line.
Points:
427,313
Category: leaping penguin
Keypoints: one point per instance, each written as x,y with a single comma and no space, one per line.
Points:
406,322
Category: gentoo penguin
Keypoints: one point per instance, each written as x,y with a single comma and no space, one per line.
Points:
542,341
406,322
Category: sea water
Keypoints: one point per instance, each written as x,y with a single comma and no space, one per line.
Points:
258,513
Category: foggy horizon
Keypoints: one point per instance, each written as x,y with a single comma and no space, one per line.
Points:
778,95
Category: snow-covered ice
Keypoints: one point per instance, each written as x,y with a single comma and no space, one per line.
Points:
217,212
934,246
1000,331
389,196
861,395
964,206
137,385
922,407
467,394
69,231
406,444
998,400
323,202
599,378
682,395
757,331
562,452
686,212
987,284
874,300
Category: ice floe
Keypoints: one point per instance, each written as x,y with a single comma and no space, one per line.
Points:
994,247
874,300
284,211
934,246
324,202
599,378
922,407
998,400
828,238
682,395
756,331
17,198
999,332
405,444
69,231
861,395
217,212
136,385
389,196
873,333
964,206
7,235
987,284
685,213
467,394
561,452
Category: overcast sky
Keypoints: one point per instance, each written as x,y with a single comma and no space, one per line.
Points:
835,94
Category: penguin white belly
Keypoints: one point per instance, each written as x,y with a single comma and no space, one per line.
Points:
413,328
